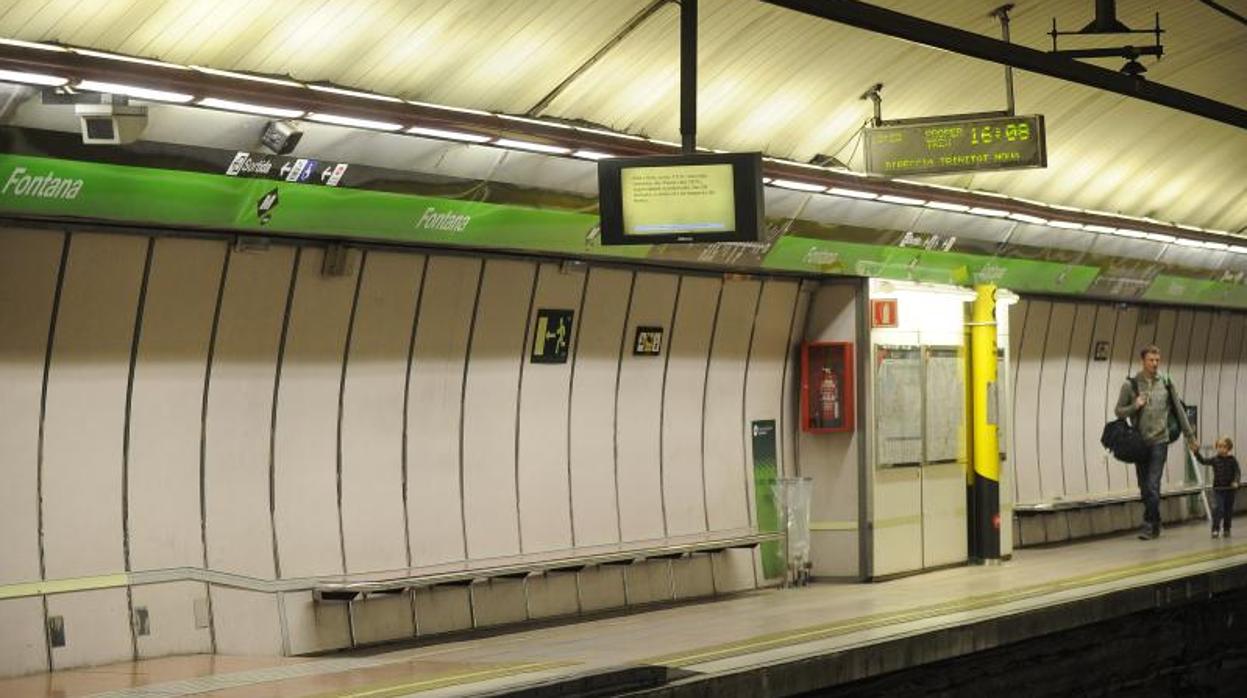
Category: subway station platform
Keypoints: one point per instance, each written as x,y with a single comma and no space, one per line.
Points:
768,642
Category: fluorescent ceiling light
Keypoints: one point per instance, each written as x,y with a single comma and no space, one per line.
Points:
246,76
1068,225
535,147
33,44
448,135
852,193
127,59
794,163
338,120
945,206
667,143
538,122
134,91
1158,237
463,110
612,134
1064,208
591,155
1186,242
1127,232
906,200
1099,228
989,212
1215,245
32,78
798,186
214,103
1238,248
1027,218
1194,228
355,93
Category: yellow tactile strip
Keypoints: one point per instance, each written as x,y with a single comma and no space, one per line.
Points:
843,627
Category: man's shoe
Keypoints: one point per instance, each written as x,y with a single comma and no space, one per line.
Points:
1147,533
1216,533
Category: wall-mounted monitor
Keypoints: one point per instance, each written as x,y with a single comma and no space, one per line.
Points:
711,197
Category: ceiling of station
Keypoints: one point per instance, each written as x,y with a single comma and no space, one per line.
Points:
770,79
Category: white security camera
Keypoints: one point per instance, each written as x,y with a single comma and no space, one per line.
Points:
111,124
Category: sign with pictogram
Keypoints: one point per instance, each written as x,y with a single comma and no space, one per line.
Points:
883,312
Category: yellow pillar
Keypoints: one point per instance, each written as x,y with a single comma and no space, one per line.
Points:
985,445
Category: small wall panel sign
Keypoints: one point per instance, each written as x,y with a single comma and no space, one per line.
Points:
883,312
648,341
552,336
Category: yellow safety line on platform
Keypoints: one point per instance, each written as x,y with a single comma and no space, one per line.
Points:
394,690
824,631
60,586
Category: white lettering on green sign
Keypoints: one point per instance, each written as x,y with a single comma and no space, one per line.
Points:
443,220
40,186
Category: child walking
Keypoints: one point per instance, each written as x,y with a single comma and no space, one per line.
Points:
1225,478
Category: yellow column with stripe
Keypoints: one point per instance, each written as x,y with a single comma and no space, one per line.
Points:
985,443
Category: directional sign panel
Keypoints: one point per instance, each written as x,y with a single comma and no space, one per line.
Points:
552,336
957,145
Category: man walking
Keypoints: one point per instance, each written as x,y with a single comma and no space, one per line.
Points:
1148,399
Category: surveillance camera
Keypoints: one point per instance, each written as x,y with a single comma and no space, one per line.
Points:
280,136
111,124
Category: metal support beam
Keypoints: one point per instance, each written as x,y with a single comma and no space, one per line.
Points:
882,21
688,75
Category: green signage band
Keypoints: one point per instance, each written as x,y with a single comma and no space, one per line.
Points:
956,145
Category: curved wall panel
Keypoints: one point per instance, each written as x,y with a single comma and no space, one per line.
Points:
684,396
765,377
1026,401
599,342
1227,417
490,400
1123,363
1209,416
1073,417
541,467
1051,388
725,431
639,411
435,409
1099,397
374,519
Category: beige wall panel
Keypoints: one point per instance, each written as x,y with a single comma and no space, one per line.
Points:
726,433
1184,364
29,264
245,622
1099,396
693,576
86,399
305,443
1052,372
552,595
835,553
1166,321
499,602
239,420
684,404
733,571
648,581
640,410
171,618
384,618
490,395
315,627
830,459
1240,403
944,514
764,385
1026,401
442,609
595,510
1017,328
1209,416
1123,363
787,447
23,648
97,628
373,518
601,588
541,469
434,404
166,413
898,521
1230,369
1074,428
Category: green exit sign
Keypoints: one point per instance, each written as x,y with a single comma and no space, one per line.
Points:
956,145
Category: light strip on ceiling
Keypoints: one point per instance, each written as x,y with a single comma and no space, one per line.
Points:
246,76
135,91
1128,233
229,105
903,200
355,93
853,193
446,107
945,206
128,59
34,45
538,122
339,120
797,186
448,135
1027,218
1099,228
989,212
535,147
1159,237
1067,225
591,155
32,78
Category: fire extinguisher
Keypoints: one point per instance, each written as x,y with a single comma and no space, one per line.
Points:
829,398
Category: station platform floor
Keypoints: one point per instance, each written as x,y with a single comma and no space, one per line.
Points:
842,631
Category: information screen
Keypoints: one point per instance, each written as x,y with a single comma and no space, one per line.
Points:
713,197
677,199
957,145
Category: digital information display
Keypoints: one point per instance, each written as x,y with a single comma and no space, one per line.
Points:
957,145
673,200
